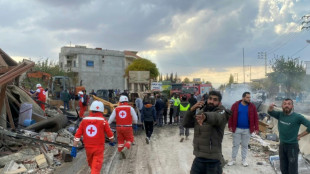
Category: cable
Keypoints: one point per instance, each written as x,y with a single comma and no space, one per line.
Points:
300,50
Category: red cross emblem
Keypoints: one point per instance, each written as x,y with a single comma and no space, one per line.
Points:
122,114
97,107
91,130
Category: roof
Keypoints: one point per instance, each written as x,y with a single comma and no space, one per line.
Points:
6,60
132,54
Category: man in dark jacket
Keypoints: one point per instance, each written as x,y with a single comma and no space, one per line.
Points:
159,106
65,97
192,101
209,124
148,117
243,123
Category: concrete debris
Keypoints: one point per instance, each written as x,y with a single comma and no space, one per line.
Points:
66,156
13,168
64,140
22,155
272,137
48,136
41,161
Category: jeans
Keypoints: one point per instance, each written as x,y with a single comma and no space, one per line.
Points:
288,158
206,166
240,136
148,128
66,105
159,117
182,129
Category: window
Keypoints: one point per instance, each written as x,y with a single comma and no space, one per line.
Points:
90,63
74,63
102,59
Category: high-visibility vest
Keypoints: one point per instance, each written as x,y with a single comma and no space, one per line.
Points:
176,101
182,108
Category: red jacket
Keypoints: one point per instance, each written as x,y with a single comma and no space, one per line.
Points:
253,117
93,129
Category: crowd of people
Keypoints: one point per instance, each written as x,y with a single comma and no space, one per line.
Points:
206,115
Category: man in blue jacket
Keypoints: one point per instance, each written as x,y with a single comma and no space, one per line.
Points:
148,117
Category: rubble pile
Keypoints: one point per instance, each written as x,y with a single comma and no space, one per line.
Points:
42,156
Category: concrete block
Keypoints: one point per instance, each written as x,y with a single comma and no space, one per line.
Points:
55,151
41,161
13,168
48,136
63,140
66,156
50,158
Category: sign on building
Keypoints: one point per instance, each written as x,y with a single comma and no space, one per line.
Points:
156,86
196,79
139,76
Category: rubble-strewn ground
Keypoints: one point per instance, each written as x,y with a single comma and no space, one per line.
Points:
165,155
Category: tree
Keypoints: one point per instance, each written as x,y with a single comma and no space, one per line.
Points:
176,77
143,65
288,72
186,80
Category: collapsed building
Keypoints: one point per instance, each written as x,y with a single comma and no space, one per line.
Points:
31,141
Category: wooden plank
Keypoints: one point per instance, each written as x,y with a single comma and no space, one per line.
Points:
8,110
2,95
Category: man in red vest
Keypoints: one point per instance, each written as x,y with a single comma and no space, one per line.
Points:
40,93
82,104
124,115
93,129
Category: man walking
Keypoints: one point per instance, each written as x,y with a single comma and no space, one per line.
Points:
182,110
243,123
159,106
124,115
209,125
288,124
192,100
148,117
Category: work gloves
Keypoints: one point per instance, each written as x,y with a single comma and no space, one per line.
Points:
73,152
112,143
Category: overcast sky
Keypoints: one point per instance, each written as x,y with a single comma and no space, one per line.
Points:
195,38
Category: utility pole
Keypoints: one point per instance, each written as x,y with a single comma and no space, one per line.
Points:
263,55
243,66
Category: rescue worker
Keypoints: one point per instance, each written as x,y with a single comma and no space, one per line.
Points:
182,109
82,104
93,129
176,104
124,115
41,96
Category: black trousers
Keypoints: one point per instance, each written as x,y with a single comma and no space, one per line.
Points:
289,158
149,125
206,166
170,115
165,115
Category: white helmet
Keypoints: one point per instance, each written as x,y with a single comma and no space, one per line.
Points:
38,85
97,106
81,93
123,99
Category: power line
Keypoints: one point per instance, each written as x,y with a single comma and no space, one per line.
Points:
300,50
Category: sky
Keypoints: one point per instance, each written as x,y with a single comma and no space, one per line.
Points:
195,39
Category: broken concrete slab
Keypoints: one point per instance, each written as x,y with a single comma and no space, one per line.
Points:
22,155
13,168
41,161
64,140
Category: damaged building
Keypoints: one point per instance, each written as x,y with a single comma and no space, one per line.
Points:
97,68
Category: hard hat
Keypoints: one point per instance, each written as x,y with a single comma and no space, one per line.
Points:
81,93
97,106
123,99
38,85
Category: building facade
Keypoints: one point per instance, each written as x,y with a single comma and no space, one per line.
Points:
95,68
